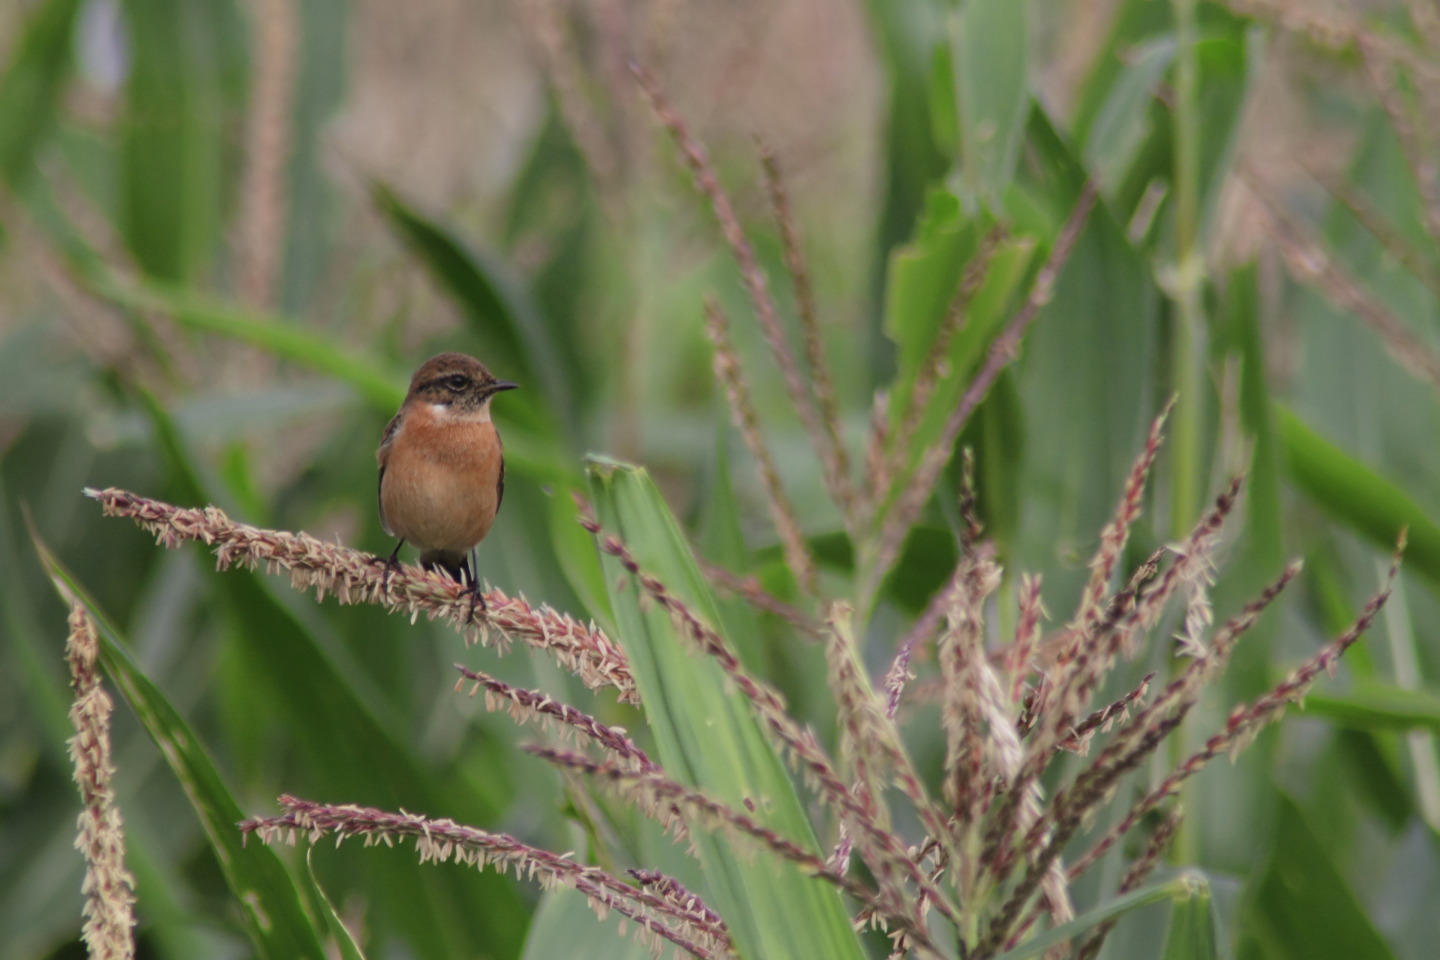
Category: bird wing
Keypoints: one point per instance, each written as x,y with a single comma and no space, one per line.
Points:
500,484
382,455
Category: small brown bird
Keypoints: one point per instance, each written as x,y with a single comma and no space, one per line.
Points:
442,469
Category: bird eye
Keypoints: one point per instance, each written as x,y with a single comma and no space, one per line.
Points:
457,381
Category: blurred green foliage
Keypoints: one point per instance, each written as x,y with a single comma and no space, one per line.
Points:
130,357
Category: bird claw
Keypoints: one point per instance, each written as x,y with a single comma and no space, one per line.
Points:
475,597
391,565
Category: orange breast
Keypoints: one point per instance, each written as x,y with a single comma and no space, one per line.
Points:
441,484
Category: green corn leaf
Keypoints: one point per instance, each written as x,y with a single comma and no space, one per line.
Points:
268,902
1356,495
707,736
1191,935
916,153
31,87
1184,886
528,450
345,944
1377,707
184,84
1302,907
382,389
565,927
991,41
502,316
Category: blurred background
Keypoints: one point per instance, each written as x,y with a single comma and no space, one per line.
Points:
230,229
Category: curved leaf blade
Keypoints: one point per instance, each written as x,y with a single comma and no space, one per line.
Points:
707,736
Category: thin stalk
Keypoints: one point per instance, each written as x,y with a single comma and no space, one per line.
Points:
1420,743
1189,334
1188,346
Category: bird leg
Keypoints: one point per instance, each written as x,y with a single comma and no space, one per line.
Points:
461,574
467,567
392,564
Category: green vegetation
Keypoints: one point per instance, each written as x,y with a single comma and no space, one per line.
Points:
1121,255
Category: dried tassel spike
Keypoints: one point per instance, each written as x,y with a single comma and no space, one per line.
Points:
531,704
751,275
961,654
1243,724
749,590
1027,632
1101,720
799,270
1068,694
108,887
444,840
869,735
580,648
877,465
1117,531
782,512
1186,687
1310,264
652,788
1246,721
882,849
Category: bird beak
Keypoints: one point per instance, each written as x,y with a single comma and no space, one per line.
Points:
499,385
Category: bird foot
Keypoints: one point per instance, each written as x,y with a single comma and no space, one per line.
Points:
392,566
476,596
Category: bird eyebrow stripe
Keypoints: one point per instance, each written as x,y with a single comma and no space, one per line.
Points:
436,382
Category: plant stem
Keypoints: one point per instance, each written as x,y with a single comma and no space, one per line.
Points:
1188,344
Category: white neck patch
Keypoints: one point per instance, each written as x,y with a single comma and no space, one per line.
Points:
446,413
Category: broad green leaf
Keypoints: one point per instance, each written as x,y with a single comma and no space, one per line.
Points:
345,944
1302,908
925,273
1377,707
565,926
314,203
1128,132
551,198
1087,372
707,737
1264,552
575,553
721,540
1226,53
1357,495
1262,489
184,86
268,902
39,60
997,435
944,105
991,42
381,388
